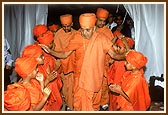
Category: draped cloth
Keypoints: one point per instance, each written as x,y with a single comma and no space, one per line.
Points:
93,64
55,100
61,41
136,88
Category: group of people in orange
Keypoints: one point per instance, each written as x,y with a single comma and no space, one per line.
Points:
89,69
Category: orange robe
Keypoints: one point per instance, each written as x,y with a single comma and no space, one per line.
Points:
35,92
105,90
61,41
115,74
54,102
89,67
136,87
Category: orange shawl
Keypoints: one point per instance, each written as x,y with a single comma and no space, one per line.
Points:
93,64
61,41
136,88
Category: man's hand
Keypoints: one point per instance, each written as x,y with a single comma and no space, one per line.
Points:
52,76
46,92
45,48
115,88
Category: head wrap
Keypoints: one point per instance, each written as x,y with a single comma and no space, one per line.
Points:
130,41
53,27
46,39
66,19
25,65
16,98
32,51
102,13
137,59
87,19
39,29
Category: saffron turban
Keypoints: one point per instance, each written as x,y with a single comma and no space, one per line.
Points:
16,98
102,13
129,40
66,19
39,29
87,19
137,59
46,39
25,65
32,51
53,27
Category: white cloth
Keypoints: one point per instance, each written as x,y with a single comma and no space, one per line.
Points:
149,23
7,55
112,25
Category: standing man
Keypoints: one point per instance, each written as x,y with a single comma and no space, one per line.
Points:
90,48
111,21
61,40
102,15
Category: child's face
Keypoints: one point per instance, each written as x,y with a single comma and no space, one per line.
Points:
129,66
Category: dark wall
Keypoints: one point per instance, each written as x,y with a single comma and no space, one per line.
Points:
55,10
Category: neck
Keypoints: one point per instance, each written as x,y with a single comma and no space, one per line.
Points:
135,71
26,80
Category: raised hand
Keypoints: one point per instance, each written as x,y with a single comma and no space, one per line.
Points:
45,48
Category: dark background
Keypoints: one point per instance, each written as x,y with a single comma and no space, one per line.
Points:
55,10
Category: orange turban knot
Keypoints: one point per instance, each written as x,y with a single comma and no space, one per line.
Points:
137,59
102,13
32,51
87,19
53,27
16,98
25,65
46,39
66,19
39,29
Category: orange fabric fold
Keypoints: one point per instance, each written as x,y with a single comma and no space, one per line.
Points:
25,65
87,20
102,13
66,19
46,38
17,98
32,51
137,59
39,29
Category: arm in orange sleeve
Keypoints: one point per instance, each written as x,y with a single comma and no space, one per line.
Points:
61,55
46,94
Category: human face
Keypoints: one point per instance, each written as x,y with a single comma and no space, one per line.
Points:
129,66
110,18
119,20
67,28
40,59
87,32
100,22
34,73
